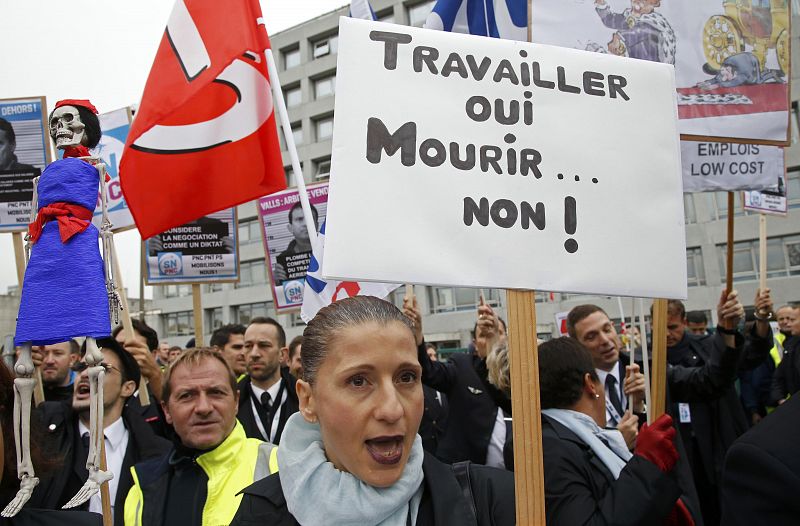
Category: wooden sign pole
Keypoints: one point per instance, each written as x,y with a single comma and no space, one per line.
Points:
525,405
762,252
729,251
19,257
197,303
127,323
659,368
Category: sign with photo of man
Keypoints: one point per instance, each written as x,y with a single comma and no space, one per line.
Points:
205,250
23,156
286,240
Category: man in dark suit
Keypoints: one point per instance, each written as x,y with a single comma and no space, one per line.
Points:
128,438
434,418
477,428
267,396
761,475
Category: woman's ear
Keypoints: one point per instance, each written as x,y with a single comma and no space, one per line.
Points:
305,396
589,386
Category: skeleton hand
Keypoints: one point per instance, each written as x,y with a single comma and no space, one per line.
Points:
92,485
26,486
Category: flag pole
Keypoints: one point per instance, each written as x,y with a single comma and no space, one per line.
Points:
659,387
645,361
280,104
729,253
762,252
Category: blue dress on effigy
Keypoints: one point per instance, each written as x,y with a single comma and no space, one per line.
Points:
64,292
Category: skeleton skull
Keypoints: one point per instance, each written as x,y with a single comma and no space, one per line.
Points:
66,127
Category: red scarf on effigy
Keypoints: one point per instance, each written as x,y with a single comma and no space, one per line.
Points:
72,219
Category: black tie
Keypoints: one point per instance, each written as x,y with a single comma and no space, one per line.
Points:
613,394
85,440
264,405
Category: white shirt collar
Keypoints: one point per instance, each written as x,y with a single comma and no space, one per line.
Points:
114,433
613,372
273,390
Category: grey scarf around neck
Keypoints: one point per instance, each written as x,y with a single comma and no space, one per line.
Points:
318,494
613,453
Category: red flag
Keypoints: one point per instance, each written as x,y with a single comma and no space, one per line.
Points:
204,138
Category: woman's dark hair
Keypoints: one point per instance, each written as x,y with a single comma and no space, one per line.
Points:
563,364
329,321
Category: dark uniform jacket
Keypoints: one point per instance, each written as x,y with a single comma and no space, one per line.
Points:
443,500
716,414
579,488
248,418
434,419
472,409
761,477
786,380
62,426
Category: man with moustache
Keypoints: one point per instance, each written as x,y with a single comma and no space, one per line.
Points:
199,481
267,396
128,439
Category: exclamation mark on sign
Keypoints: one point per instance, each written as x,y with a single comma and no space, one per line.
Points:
570,224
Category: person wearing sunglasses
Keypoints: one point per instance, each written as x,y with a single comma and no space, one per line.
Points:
128,438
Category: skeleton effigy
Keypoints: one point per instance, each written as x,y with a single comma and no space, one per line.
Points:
68,291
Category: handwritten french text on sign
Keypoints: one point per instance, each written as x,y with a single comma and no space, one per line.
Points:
491,163
717,166
286,240
203,250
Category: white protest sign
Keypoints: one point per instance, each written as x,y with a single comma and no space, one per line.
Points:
719,166
469,161
115,125
770,201
561,323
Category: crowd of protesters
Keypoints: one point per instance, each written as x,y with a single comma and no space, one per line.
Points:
359,421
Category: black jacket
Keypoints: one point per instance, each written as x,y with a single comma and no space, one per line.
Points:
63,439
248,419
443,501
472,401
34,517
786,380
717,415
434,419
761,477
579,489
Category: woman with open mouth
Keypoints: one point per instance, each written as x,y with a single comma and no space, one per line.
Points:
351,455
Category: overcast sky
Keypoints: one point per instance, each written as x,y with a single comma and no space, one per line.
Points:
100,50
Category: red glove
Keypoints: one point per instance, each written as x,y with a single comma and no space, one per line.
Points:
679,516
655,443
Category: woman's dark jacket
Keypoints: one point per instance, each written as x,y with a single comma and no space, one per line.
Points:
443,501
580,490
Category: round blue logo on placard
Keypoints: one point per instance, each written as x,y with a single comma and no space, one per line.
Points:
170,263
293,291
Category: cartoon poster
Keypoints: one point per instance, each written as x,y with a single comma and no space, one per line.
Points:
205,250
24,153
115,125
286,240
731,57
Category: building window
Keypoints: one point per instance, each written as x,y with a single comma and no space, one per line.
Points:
252,273
297,133
695,273
718,204
176,291
213,319
417,13
179,323
249,231
322,169
291,58
324,128
326,46
450,299
295,320
325,86
214,287
244,313
289,176
783,258
793,188
386,16
293,96
689,214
